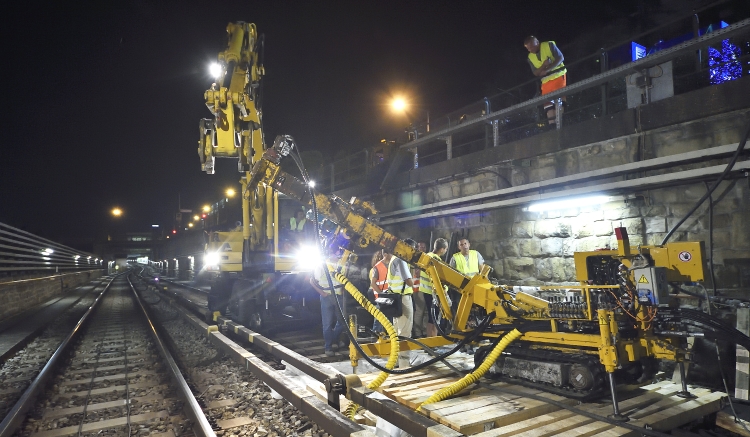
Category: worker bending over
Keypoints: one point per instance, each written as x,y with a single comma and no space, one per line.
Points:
546,61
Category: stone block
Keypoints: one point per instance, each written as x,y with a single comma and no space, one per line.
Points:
530,247
523,229
559,269
519,268
740,230
470,189
488,185
591,243
655,224
622,213
633,225
602,228
507,248
694,191
543,173
665,196
552,246
444,191
693,223
497,267
552,228
654,211
581,229
543,268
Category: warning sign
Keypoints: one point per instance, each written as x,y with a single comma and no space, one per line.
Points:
643,280
685,256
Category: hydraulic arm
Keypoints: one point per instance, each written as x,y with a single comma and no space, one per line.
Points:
617,320
236,129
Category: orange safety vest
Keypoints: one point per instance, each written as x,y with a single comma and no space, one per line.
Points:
382,282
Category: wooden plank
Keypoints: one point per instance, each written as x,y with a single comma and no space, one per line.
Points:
727,422
528,424
471,422
674,416
102,424
465,404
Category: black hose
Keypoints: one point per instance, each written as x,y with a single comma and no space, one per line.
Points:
716,183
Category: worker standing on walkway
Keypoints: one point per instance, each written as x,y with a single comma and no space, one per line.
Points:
419,329
400,281
546,61
467,261
332,326
426,288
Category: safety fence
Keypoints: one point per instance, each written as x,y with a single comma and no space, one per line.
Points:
25,254
342,172
674,58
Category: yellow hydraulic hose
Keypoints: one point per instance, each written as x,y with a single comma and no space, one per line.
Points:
372,309
475,375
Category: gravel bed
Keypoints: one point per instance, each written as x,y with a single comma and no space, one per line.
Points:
18,371
71,388
205,368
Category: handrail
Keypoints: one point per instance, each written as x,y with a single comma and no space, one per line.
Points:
24,252
596,80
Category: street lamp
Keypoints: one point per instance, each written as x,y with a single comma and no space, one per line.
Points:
230,192
206,208
117,212
400,105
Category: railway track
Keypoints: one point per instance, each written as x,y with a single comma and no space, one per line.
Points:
112,375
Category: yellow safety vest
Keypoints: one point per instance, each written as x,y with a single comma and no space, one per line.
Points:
546,53
425,282
297,226
396,282
473,267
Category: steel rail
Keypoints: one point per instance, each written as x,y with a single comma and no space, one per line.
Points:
599,79
309,404
15,417
201,427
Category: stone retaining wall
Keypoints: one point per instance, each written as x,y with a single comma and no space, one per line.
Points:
18,296
537,248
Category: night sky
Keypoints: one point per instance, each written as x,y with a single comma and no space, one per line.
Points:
102,99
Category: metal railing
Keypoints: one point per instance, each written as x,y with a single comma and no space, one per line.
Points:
23,253
346,171
480,125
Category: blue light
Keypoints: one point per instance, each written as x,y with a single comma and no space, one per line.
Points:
637,51
724,65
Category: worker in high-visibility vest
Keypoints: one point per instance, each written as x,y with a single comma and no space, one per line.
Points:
400,281
297,223
379,280
546,61
332,326
439,247
467,261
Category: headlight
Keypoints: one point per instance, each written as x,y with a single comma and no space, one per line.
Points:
308,257
211,259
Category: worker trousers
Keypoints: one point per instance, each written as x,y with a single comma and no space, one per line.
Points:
403,325
419,329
